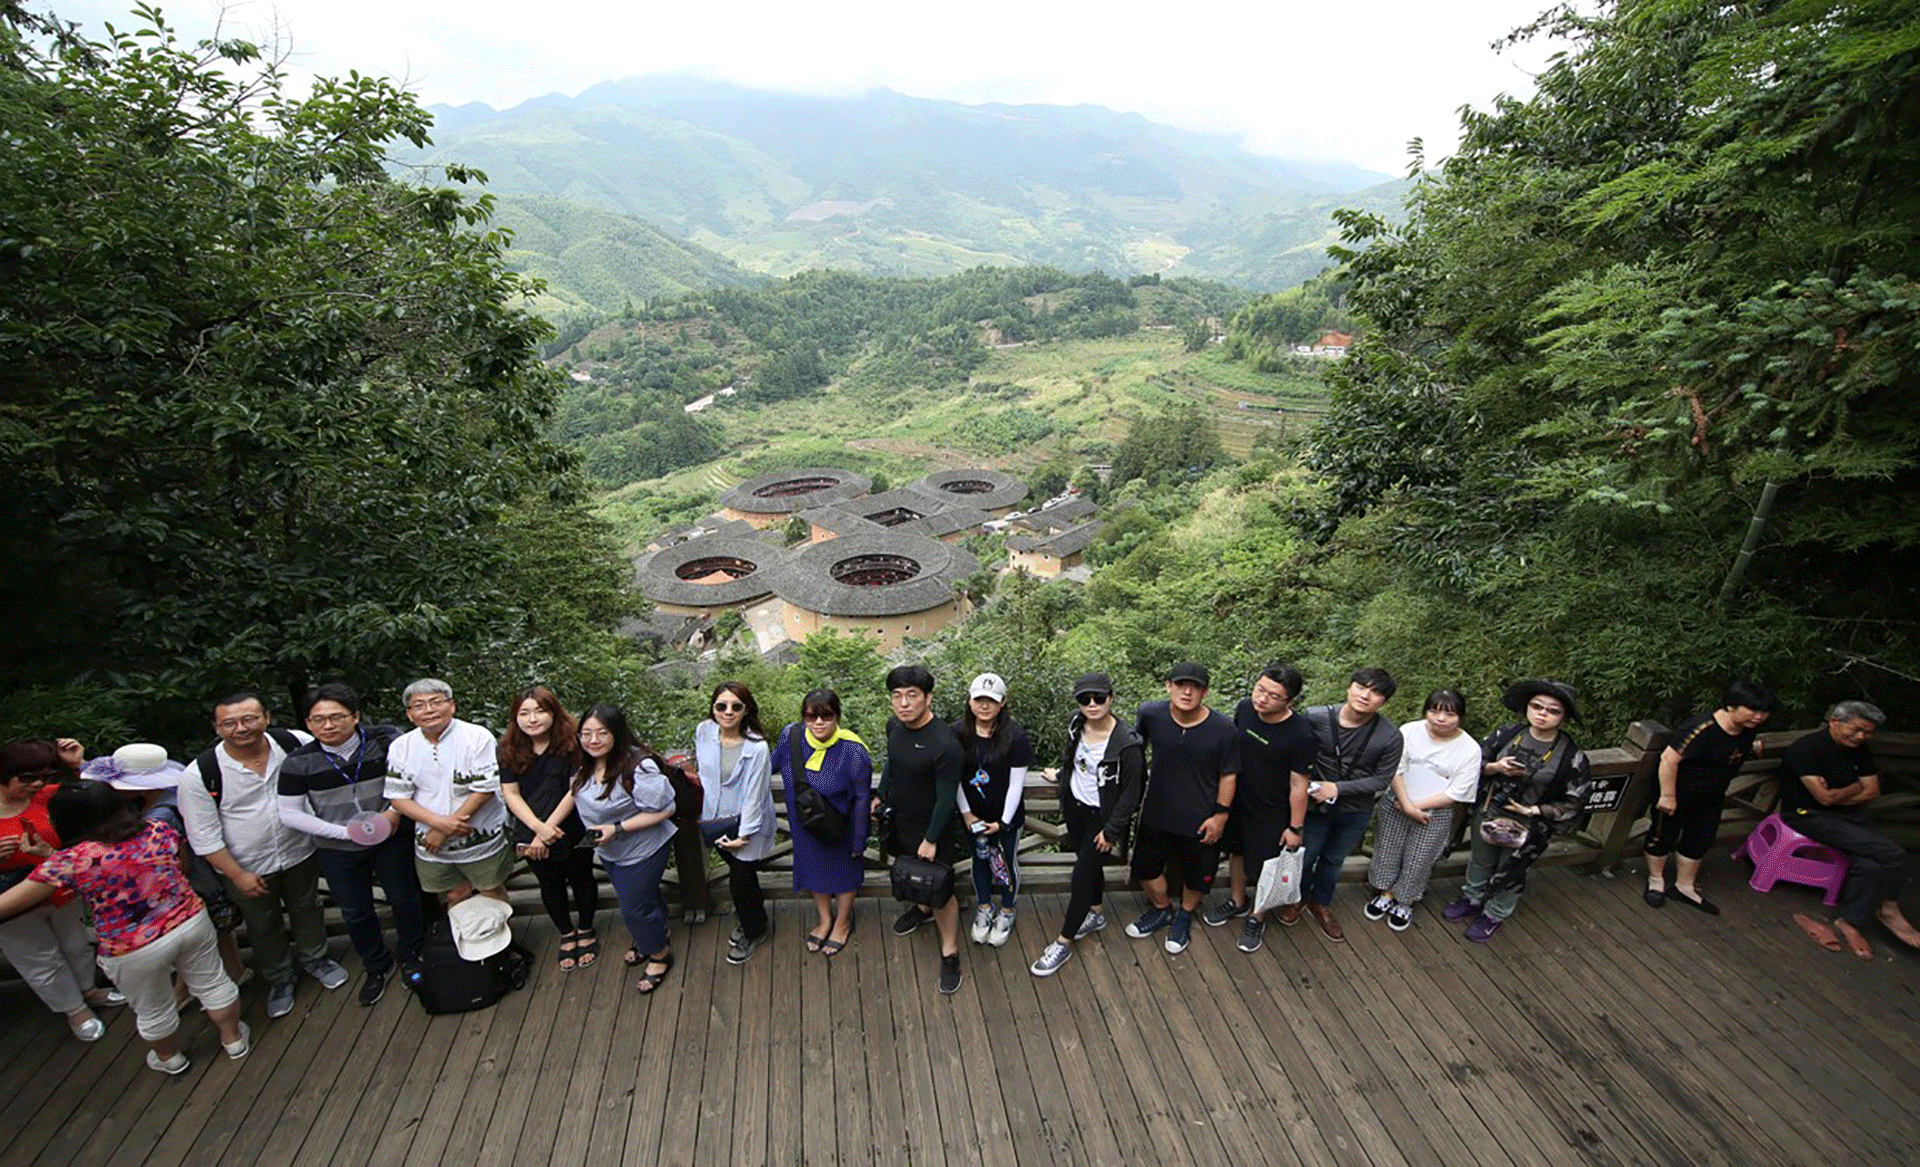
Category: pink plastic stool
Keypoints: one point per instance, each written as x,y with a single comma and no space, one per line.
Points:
1779,852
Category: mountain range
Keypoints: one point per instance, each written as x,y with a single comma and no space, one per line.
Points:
651,185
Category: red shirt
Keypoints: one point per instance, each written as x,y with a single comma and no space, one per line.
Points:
34,819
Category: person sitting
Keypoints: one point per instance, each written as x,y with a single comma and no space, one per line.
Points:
1827,778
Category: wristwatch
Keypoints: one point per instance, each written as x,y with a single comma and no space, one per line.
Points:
1218,808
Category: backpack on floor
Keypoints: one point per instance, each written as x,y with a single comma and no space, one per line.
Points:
450,983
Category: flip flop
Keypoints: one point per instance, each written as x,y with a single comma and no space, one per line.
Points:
1818,931
830,947
1857,944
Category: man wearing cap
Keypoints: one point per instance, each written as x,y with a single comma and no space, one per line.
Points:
1356,752
1270,798
334,789
229,799
1827,779
445,775
1534,781
1194,765
921,782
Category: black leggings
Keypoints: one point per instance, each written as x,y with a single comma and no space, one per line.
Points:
743,881
1089,863
574,869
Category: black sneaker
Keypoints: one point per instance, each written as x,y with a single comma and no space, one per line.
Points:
909,920
1252,934
1220,913
950,974
374,986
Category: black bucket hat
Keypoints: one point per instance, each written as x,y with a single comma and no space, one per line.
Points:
1520,692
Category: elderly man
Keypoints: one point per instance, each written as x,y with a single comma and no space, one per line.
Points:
445,777
1827,778
229,800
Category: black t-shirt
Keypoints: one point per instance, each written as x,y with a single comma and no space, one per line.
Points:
1818,753
1183,777
923,771
1709,755
1270,754
985,788
542,786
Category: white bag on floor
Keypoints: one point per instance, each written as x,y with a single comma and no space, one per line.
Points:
1279,880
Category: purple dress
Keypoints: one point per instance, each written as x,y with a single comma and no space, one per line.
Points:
846,779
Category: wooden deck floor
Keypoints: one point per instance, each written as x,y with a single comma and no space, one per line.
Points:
1624,1036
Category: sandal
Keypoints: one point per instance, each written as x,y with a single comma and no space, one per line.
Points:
631,956
569,954
816,941
586,948
651,981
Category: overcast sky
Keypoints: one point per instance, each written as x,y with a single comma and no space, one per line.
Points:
1352,80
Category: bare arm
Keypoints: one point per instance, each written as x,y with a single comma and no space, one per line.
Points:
1668,796
23,896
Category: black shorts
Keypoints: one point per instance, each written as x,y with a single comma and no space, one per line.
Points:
1692,826
1153,848
907,838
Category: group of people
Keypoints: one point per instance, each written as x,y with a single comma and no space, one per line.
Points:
169,859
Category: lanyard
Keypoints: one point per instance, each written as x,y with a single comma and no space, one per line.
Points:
351,781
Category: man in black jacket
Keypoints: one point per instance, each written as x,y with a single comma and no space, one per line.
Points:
1357,754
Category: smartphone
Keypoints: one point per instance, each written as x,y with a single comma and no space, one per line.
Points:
723,840
978,826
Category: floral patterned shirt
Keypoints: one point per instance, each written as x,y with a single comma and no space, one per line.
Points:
136,888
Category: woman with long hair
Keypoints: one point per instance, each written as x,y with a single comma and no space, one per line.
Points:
150,923
734,763
993,803
49,947
623,796
818,752
538,754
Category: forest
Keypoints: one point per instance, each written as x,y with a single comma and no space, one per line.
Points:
1632,405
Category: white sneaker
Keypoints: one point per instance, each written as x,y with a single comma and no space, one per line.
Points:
1050,961
175,1065
241,1048
1002,928
982,923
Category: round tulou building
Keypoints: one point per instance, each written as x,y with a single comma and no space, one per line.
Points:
771,498
705,576
892,583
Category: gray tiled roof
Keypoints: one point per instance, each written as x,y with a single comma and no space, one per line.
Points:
840,486
1064,544
806,580
1004,490
657,574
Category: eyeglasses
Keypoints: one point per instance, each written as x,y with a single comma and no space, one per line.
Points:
424,703
1094,698
729,707
1543,707
246,721
329,718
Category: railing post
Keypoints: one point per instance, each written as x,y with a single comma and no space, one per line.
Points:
1648,739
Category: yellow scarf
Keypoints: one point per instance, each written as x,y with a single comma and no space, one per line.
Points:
820,748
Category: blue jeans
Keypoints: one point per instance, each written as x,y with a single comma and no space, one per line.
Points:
350,876
637,887
1008,841
1330,837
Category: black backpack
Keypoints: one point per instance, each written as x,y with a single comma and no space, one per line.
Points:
209,765
450,983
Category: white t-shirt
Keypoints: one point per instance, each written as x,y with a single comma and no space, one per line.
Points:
1431,766
1086,772
440,776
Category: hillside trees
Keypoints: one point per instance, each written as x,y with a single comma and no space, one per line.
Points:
272,416
1641,409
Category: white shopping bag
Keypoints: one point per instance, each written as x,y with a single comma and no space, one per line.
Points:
1279,880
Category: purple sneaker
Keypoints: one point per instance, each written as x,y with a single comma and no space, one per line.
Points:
1482,930
1460,909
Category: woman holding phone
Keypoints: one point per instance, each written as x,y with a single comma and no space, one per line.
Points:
734,763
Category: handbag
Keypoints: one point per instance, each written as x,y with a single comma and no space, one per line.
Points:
818,817
922,881
714,830
1503,831
1280,880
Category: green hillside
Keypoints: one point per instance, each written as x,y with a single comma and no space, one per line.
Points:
596,260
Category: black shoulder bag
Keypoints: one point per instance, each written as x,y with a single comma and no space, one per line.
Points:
818,817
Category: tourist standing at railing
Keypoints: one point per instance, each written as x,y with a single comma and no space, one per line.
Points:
1270,799
1533,782
150,923
1102,773
1356,755
49,946
921,782
993,803
538,755
626,801
445,776
1695,771
827,860
334,789
734,763
1439,769
1827,780
1193,766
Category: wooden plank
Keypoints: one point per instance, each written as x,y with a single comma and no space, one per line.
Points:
719,1033
519,1021
908,989
790,1121
559,1123
1053,1047
747,1084
667,1074
615,1036
973,1121
533,1063
995,1034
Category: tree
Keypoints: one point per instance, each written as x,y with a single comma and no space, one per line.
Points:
274,415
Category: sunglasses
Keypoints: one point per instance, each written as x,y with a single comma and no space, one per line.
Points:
1093,698
728,707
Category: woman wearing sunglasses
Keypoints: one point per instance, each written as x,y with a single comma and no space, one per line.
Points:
1104,771
817,751
731,756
